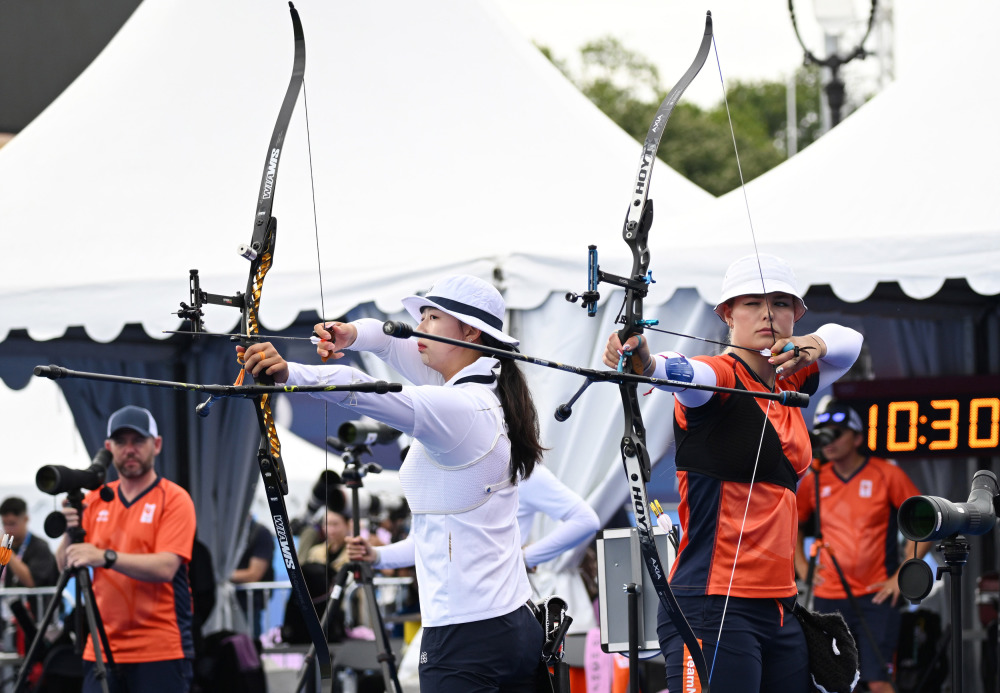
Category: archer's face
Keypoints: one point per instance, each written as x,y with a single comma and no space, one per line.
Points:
759,320
446,359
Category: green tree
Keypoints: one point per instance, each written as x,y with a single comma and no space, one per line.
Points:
699,143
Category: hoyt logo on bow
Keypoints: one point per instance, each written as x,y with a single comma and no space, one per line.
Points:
635,457
260,252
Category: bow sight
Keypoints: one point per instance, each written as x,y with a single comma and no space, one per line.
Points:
595,276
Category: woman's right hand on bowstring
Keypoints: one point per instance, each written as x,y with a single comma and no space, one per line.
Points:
335,337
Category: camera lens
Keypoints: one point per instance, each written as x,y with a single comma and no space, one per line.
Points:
918,517
47,480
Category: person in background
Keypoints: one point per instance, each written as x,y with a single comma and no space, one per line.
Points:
542,492
255,565
139,545
31,563
332,551
859,498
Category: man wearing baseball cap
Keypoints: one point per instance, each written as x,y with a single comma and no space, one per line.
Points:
138,541
859,496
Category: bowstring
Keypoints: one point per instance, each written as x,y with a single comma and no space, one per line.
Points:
770,318
322,308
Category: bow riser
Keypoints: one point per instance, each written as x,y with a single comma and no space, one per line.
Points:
260,252
635,457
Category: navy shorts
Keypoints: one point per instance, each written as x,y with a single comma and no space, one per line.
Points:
761,648
170,676
883,621
494,655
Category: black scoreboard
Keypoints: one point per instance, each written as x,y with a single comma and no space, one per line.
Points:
927,417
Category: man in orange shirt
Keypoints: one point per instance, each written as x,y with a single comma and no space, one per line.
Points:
139,544
858,497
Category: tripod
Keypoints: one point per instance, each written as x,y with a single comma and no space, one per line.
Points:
363,574
916,580
85,598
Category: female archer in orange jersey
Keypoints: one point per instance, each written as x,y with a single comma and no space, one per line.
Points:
738,462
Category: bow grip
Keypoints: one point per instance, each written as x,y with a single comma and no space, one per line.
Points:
630,356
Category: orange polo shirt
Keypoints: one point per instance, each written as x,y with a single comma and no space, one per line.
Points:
858,521
145,621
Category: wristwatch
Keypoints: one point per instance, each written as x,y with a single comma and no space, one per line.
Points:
109,558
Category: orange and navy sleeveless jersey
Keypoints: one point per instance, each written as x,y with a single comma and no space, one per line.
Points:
717,457
145,621
858,521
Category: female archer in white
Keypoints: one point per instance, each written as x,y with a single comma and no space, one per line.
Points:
475,432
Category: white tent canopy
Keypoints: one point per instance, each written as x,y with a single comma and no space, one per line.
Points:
441,140
904,190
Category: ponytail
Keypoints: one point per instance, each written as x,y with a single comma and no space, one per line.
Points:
519,413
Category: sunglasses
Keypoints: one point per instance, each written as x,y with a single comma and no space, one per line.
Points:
838,432
835,417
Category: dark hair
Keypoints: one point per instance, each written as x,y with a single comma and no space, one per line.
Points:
519,412
13,506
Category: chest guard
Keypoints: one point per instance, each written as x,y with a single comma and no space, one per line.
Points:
433,488
723,444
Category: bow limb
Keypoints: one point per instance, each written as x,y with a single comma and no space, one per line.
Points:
635,456
260,253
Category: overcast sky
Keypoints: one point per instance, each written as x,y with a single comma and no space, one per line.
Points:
755,38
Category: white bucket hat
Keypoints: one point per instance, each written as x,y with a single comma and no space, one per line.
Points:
469,299
744,278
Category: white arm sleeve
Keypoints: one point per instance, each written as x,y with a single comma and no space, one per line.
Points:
392,408
577,527
447,420
843,345
402,554
543,492
401,354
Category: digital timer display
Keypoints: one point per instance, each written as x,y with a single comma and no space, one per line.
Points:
927,417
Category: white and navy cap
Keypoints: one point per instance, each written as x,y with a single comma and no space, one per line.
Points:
744,278
134,418
466,298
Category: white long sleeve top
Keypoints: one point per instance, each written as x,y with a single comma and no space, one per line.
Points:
542,492
469,565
